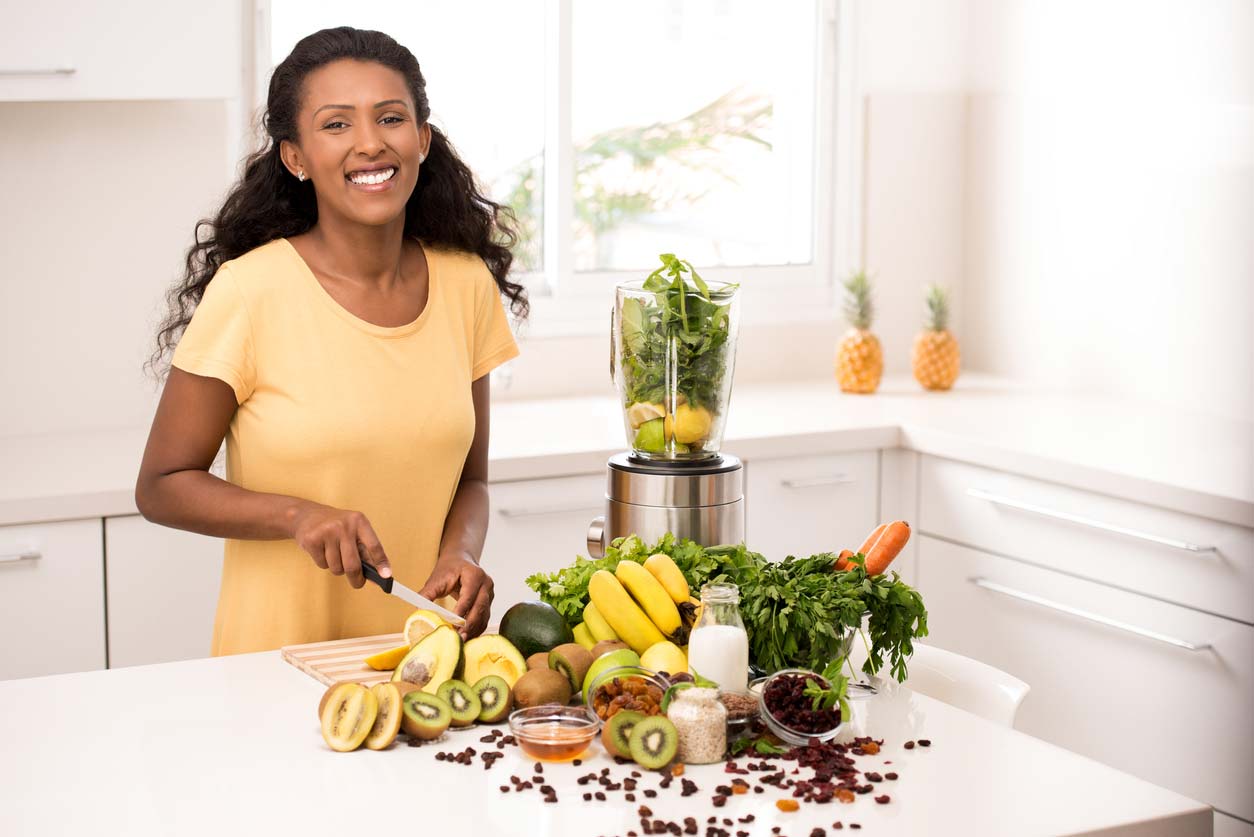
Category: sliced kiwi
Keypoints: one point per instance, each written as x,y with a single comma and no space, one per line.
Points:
572,660
424,715
387,721
494,698
462,700
654,742
616,734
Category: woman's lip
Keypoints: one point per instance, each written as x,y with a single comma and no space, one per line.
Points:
373,187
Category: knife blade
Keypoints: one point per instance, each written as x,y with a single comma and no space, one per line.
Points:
395,588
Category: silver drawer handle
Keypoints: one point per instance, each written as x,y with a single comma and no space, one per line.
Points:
38,71
513,514
815,482
17,557
1084,614
1086,521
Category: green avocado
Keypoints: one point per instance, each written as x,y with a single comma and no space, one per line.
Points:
434,660
533,627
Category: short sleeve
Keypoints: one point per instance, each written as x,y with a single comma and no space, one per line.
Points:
218,342
493,342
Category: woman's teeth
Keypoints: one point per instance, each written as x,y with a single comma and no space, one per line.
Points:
366,177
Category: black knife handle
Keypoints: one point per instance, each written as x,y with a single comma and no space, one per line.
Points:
372,574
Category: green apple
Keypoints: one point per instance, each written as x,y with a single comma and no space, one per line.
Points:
651,436
607,661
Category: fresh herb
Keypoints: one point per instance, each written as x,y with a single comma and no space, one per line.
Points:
678,340
834,693
763,745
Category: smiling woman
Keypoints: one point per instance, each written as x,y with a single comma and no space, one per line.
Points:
335,324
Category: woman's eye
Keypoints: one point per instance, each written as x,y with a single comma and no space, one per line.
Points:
335,124
393,119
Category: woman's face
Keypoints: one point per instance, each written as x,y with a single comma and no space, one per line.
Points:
359,141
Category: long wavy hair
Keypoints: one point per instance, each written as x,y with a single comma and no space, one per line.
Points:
447,207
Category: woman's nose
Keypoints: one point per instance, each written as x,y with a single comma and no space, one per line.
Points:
369,140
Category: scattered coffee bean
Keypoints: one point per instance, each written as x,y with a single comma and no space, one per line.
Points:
883,800
923,742
892,776
909,745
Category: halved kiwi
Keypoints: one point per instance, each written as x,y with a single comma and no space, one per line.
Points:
348,716
654,742
462,700
616,734
494,698
387,721
572,660
425,716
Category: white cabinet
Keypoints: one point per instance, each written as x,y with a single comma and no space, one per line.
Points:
65,50
537,526
163,591
52,618
1158,690
808,504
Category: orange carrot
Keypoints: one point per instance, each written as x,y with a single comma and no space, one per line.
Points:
887,546
865,549
842,562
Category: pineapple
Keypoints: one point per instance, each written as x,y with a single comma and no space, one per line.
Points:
935,357
859,358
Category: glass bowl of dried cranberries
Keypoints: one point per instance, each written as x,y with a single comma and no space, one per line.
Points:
790,713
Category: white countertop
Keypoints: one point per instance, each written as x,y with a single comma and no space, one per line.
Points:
231,745
1189,462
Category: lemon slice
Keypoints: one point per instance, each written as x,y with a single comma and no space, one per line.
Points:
419,624
387,660
643,411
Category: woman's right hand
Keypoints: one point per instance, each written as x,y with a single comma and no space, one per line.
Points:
332,537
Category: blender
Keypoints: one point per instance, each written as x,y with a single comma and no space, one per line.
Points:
672,360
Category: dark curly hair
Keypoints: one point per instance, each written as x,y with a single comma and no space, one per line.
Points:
447,208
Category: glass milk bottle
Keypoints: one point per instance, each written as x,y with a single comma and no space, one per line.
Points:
718,648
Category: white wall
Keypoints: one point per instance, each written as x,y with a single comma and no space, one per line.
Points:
99,203
1109,240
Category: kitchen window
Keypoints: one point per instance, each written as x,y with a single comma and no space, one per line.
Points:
617,131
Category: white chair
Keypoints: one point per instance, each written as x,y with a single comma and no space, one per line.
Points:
965,683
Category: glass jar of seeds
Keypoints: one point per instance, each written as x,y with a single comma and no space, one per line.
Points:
700,720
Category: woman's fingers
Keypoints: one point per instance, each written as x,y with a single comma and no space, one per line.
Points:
373,547
477,618
351,560
331,557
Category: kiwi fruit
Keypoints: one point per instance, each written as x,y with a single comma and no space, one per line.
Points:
387,720
425,716
327,694
572,660
348,716
605,646
654,742
462,700
616,734
540,659
494,698
541,686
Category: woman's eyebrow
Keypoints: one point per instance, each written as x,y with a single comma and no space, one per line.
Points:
400,102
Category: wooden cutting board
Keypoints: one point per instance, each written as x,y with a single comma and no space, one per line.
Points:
342,660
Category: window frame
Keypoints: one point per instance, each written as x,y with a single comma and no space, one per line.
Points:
565,303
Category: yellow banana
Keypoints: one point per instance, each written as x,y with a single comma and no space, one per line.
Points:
623,614
582,636
597,626
650,595
664,570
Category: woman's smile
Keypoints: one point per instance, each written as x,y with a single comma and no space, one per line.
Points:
372,179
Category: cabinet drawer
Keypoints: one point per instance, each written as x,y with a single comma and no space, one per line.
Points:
163,592
537,526
1176,557
804,505
1176,717
52,618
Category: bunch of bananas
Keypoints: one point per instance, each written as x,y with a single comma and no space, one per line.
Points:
640,605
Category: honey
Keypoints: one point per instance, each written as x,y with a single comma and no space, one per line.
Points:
555,741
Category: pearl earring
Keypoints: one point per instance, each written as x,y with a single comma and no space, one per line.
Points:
300,176
421,157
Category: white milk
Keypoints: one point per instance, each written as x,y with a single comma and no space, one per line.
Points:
720,653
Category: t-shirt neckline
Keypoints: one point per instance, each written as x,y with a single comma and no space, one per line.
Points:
364,325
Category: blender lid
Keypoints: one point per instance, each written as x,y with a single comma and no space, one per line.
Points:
709,482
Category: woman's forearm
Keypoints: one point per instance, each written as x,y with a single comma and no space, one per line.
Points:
200,502
466,525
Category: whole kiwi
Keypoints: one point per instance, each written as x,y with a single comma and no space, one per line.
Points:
540,686
540,659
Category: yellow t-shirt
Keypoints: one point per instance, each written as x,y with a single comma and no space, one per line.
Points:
342,412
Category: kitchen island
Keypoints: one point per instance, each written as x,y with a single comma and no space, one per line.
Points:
231,745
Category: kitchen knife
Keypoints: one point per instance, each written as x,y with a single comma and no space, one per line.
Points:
395,588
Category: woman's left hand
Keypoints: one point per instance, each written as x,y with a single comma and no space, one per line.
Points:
458,574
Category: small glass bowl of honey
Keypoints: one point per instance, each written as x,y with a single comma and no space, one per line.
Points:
553,732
